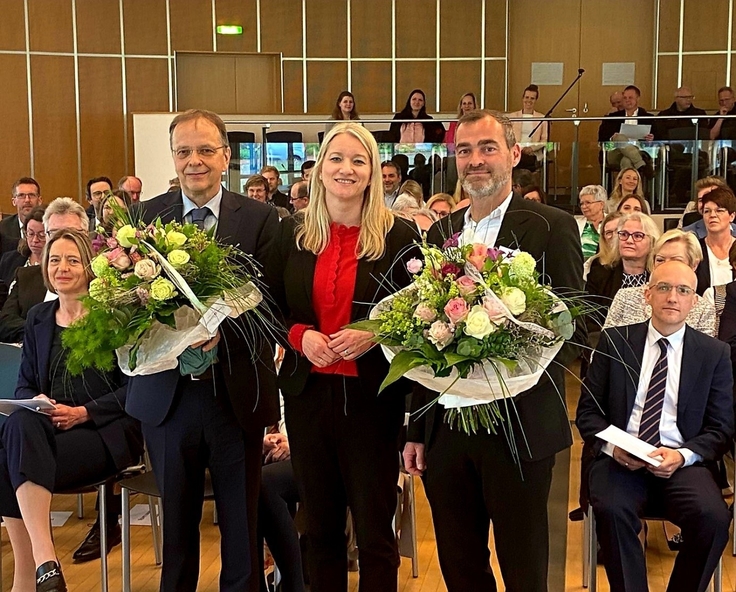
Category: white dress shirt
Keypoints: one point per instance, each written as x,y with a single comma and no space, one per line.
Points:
669,434
486,229
214,206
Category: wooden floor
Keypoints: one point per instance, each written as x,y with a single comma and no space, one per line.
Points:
86,577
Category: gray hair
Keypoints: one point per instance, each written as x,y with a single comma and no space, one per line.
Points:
598,192
66,205
480,114
405,202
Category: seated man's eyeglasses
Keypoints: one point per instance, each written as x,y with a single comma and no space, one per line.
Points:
203,151
25,196
665,288
637,237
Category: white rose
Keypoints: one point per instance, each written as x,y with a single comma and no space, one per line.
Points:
514,299
477,323
441,334
146,269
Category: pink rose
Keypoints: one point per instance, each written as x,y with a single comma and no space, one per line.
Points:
477,257
118,258
112,243
441,334
494,309
456,310
466,285
425,313
414,265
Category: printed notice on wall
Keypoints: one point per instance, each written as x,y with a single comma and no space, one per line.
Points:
547,73
618,73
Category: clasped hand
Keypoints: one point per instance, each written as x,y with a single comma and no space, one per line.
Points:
671,460
324,350
65,417
276,448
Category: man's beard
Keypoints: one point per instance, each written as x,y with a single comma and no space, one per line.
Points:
487,187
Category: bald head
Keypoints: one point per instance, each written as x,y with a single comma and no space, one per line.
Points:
617,101
683,98
671,294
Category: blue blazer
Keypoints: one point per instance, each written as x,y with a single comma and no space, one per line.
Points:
120,432
705,405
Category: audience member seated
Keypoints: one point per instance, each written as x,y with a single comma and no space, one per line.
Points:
534,193
627,181
461,197
174,185
26,196
724,129
28,252
28,287
533,144
423,130
633,203
629,306
122,200
617,102
592,199
466,105
627,155
717,296
441,204
683,105
256,187
686,416
97,188
306,169
695,206
406,207
422,173
85,439
275,197
345,109
719,207
299,195
521,179
391,175
133,186
414,189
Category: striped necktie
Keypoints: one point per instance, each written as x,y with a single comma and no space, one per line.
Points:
654,402
199,215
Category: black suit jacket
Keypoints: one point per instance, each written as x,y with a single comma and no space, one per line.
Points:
281,200
551,236
9,264
705,406
292,283
250,377
702,271
609,127
9,233
120,432
28,291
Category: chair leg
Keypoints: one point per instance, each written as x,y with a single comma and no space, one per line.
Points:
592,553
717,576
154,507
413,518
586,548
126,539
80,506
103,536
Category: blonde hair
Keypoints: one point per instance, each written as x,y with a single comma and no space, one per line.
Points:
606,253
617,194
414,189
83,244
692,247
313,230
648,226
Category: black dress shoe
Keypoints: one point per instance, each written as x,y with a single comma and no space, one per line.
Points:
90,547
49,578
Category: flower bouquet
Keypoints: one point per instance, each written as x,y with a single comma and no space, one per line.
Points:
157,289
476,325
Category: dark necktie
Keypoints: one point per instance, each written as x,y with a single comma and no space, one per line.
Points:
654,402
199,215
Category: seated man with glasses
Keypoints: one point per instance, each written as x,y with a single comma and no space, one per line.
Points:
671,387
299,195
26,196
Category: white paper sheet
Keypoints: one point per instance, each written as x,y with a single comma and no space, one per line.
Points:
7,406
635,132
629,443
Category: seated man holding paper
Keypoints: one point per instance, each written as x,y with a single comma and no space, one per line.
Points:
669,388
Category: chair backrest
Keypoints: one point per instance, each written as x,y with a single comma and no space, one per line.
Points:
241,137
9,365
284,136
382,136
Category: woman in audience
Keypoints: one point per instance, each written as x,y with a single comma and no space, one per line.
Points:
28,252
413,189
592,201
329,264
423,130
466,105
441,204
534,193
633,203
345,109
405,206
719,206
462,199
532,144
123,201
627,181
84,439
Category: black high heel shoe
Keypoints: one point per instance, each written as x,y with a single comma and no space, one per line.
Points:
49,578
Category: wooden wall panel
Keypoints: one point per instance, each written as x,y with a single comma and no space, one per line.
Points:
495,28
15,150
12,26
374,40
205,81
98,26
145,27
237,12
495,85
327,29
456,79
706,25
281,28
372,86
101,118
669,26
261,72
293,87
460,30
50,25
191,25
415,29
411,75
666,80
54,126
705,74
321,97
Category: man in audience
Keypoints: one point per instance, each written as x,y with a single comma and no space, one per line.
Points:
256,187
724,129
307,167
26,196
683,105
96,188
299,195
422,173
617,101
521,179
635,383
133,186
391,181
627,155
275,197
470,480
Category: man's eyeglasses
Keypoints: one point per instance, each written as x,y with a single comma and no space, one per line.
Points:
624,235
24,196
665,288
203,151
293,199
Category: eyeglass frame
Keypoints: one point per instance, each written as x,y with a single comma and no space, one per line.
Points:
198,150
627,235
666,288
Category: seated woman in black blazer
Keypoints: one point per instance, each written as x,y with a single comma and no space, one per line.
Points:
85,439
28,252
331,262
424,130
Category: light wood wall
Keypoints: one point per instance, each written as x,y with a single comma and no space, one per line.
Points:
73,71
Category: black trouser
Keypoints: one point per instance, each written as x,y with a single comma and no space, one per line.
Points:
344,452
33,450
471,480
